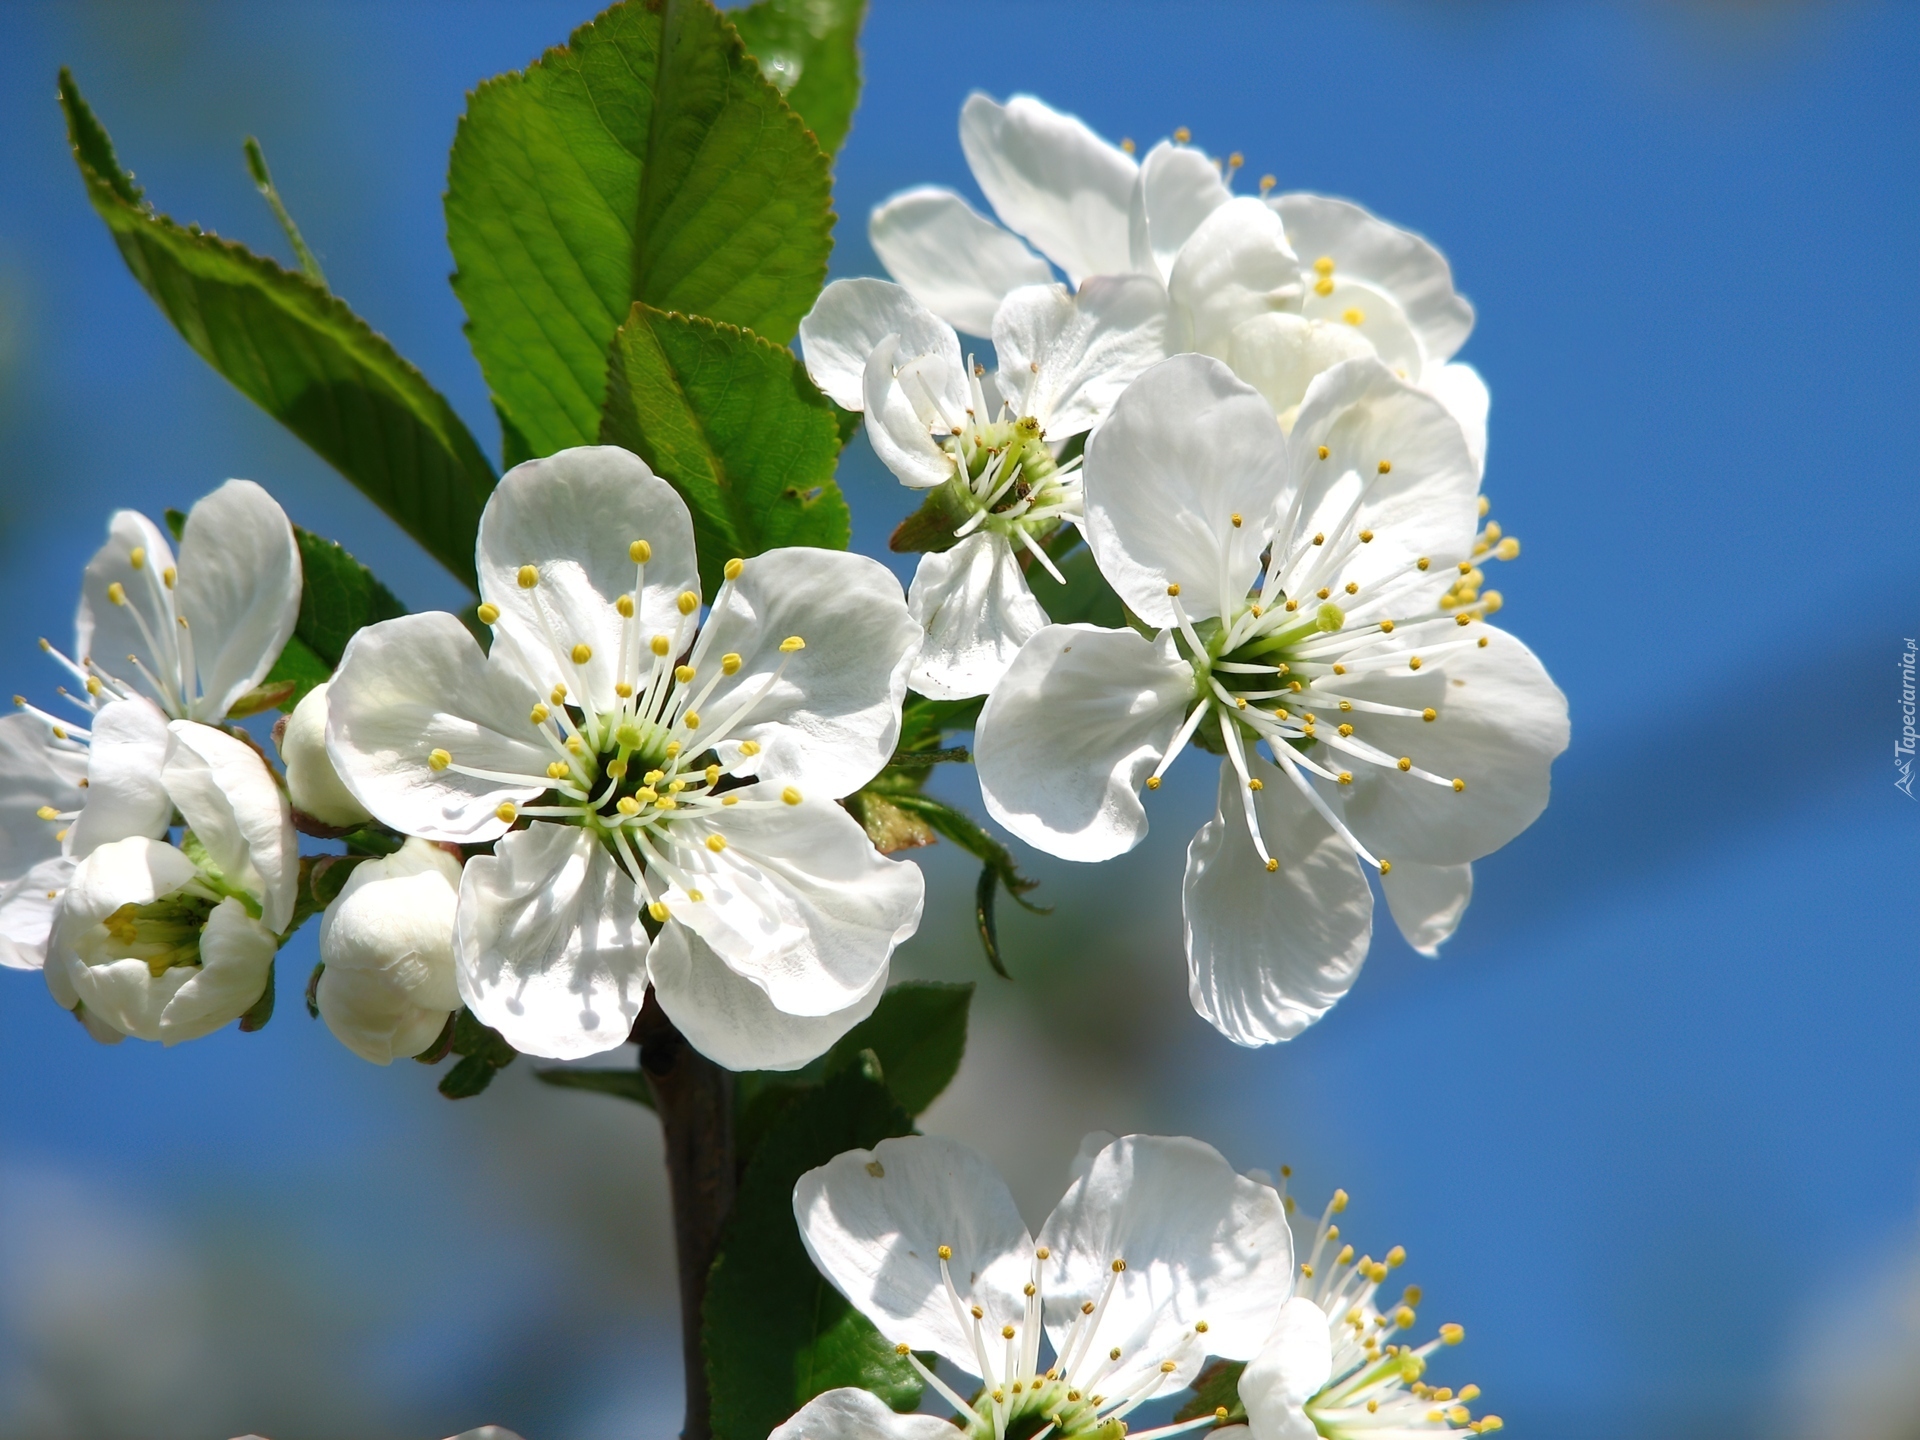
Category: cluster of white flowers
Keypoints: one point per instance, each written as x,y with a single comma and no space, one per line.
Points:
1158,1257
1249,410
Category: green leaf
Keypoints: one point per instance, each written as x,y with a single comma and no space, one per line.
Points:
777,1334
301,355
1216,1386
810,50
647,160
467,1078
734,424
925,722
918,1031
485,1053
299,667
627,1084
339,596
1086,598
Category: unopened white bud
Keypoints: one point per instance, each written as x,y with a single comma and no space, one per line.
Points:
312,783
387,944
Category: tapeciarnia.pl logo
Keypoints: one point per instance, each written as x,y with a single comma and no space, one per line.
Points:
1903,747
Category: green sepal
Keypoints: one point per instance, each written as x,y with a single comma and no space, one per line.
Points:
646,160
322,877
299,353
809,50
313,989
776,1332
929,529
627,1084
1216,1386
732,422
484,1051
261,1011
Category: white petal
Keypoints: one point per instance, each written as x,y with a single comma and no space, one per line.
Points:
848,322
387,943
1460,388
1290,1369
550,947
1424,505
957,263
238,591
108,633
1401,263
28,905
125,795
135,871
874,1221
798,901
1177,188
1189,448
1372,315
729,1019
236,957
1200,1242
1280,354
1064,359
313,785
1427,901
35,770
232,805
909,395
850,1414
974,606
1071,733
829,723
1268,953
574,517
1501,723
1237,264
409,686
1052,180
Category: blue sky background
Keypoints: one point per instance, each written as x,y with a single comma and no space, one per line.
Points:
1649,1126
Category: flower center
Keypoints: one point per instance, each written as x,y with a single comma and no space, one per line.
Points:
1007,479
163,933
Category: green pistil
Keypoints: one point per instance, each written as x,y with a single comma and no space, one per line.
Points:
1044,1404
1023,455
163,933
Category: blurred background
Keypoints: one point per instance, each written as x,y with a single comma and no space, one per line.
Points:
1650,1128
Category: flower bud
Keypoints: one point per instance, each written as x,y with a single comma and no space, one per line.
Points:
387,944
312,783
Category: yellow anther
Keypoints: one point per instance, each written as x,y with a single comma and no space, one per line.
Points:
1346,1258
1404,1317
1119,1266
1239,703
1485,505
1386,867
1028,1290
1463,620
1413,662
1127,145
1346,776
1323,266
117,593
1491,601
438,760
1323,592
1114,1353
1199,1327
1482,642
1386,627
791,644
713,776
733,568
1006,1332
1086,1307
683,673
646,795
1292,605
487,614
1323,286
528,577
1366,537
1466,567
690,720
558,696
1459,786
1173,589
47,812
1487,1424
1333,1232
169,575
1469,1392
1324,452
137,557
627,805
716,843
658,910
790,795
1507,549
1339,1204
1429,714
625,606
1236,160
1256,784
94,687
1043,1253
1353,587
903,1348
730,663
653,777
538,715
639,552
660,644
1267,182
1182,135
674,787
1386,467
1452,1334
1167,1367
688,602
623,690
1422,563
749,747
1153,782
576,746
1354,316
1235,517
507,811
582,653
1404,762
1306,1269
557,770
1345,730
946,1252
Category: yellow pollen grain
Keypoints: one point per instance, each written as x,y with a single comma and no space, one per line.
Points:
438,760
625,606
1346,776
507,811
733,568
1306,1269
559,695
1292,605
1386,467
47,812
1507,549
1256,785
627,805
1354,316
730,663
487,614
1459,786
1346,730
1429,714
1413,662
660,645
716,843
684,673
1386,627
688,602
1366,537
658,911
639,552
557,770
1323,286
1353,587
538,715
1235,517
790,795
582,653
528,577
1173,589
1153,782
1422,563
1182,135
169,575
749,747
623,690
791,644
1324,452
117,593
690,720
1482,642
1323,266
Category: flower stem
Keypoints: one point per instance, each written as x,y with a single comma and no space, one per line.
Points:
694,1099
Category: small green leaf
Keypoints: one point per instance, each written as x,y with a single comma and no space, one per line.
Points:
339,596
485,1051
627,1084
777,1334
467,1078
299,668
918,1032
301,355
313,990
733,423
646,160
1216,1386
925,722
810,50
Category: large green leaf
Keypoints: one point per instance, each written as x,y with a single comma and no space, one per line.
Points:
777,1334
810,50
300,354
646,160
917,1032
732,421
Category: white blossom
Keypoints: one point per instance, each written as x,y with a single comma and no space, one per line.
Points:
1158,1256
619,753
1295,589
386,942
312,783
